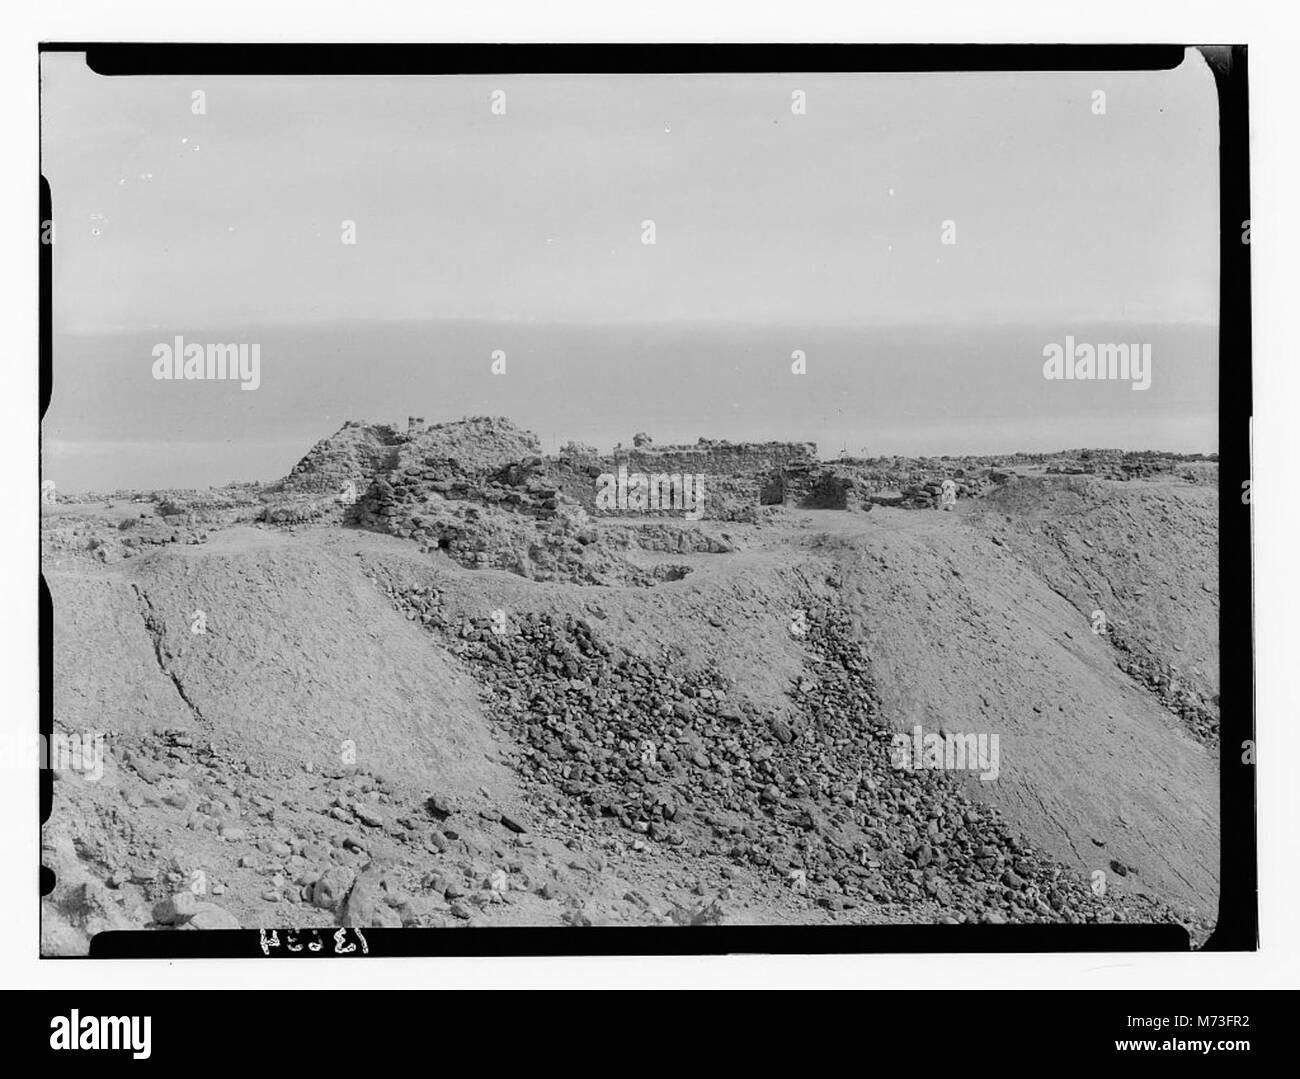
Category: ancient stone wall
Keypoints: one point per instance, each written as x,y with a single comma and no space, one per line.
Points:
718,458
738,477
352,455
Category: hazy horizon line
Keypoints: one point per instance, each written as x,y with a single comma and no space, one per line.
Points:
821,455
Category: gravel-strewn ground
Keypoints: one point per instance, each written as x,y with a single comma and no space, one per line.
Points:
631,720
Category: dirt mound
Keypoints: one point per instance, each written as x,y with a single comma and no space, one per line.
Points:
963,636
954,637
279,647
463,700
1141,563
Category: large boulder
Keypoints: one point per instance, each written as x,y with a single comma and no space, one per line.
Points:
367,905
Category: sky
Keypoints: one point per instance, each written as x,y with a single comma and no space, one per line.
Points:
474,228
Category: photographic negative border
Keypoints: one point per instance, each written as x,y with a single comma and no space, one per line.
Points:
1237,924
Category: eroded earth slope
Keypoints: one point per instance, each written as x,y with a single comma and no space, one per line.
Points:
419,682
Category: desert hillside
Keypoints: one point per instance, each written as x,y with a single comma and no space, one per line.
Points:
430,679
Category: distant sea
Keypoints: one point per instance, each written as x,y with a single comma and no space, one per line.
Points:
904,389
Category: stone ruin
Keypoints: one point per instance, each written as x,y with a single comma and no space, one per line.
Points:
821,487
739,477
419,482
481,490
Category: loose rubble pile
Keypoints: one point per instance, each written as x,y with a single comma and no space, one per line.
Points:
199,837
93,537
1130,465
476,490
667,537
394,500
677,758
1199,713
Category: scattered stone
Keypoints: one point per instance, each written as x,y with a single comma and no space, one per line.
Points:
367,904
176,908
332,887
211,916
367,815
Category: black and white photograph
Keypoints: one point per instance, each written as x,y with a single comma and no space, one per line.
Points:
646,500
588,505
